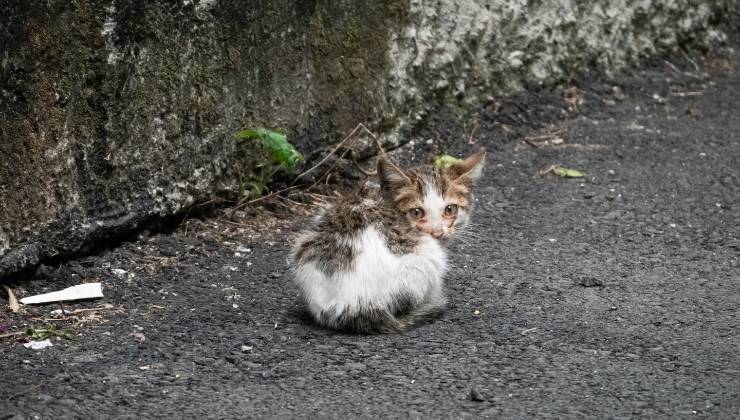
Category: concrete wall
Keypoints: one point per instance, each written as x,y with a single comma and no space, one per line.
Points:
116,112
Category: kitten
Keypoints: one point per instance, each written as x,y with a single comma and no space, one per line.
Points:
374,261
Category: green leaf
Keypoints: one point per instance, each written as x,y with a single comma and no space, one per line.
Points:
567,173
445,161
248,134
277,146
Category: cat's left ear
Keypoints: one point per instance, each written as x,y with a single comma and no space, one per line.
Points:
469,170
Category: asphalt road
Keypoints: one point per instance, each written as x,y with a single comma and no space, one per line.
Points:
611,296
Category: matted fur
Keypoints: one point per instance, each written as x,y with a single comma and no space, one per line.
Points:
370,264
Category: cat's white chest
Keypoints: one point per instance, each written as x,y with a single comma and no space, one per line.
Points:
377,277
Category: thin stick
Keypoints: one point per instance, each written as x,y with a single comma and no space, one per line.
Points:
676,69
686,93
545,136
472,133
12,334
364,172
548,170
296,202
377,142
693,63
99,308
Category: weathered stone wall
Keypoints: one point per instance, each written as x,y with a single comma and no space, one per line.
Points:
116,112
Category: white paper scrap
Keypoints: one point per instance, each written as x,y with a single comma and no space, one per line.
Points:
38,345
81,291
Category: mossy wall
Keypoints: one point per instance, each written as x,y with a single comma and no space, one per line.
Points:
116,112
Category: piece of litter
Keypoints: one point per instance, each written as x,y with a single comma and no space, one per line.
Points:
146,367
242,248
81,291
12,301
235,306
567,173
476,312
121,273
247,348
38,345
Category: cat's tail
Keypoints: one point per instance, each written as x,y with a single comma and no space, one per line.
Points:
427,312
381,321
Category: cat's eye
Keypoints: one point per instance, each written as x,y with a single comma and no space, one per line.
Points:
451,210
416,213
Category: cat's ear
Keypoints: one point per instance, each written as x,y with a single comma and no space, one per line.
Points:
391,176
469,170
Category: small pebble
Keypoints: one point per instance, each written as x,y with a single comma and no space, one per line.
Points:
475,395
589,281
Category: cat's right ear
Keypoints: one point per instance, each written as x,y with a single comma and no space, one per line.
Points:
391,177
469,170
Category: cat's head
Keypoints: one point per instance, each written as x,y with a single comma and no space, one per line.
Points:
435,201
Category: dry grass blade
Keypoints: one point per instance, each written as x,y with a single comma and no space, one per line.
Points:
544,140
471,139
362,170
547,171
690,93
12,301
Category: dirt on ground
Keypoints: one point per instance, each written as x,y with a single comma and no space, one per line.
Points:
614,295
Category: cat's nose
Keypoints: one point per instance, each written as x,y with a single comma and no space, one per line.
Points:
436,234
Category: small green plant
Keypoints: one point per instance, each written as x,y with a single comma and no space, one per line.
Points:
260,164
48,331
445,161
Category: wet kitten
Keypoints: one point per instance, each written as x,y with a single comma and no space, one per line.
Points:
374,261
